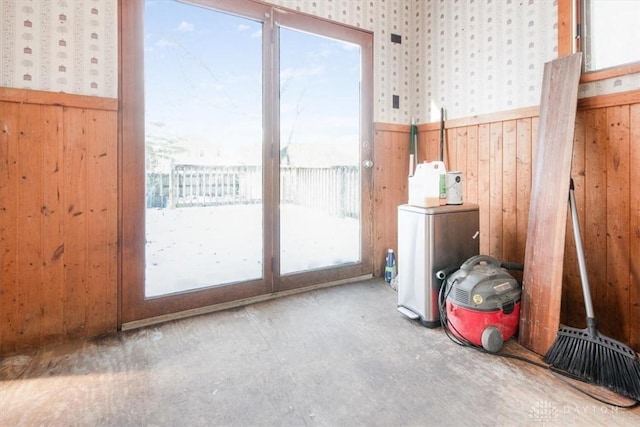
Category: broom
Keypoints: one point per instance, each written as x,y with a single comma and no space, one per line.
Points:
413,147
585,354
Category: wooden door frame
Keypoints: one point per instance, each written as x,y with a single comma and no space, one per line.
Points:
133,306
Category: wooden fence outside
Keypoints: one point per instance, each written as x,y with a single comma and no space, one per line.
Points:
334,190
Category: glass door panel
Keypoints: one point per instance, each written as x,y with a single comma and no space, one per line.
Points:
320,177
203,143
242,136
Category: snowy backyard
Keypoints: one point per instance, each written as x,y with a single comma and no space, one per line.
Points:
195,247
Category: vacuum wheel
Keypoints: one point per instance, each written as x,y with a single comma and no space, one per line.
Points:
492,339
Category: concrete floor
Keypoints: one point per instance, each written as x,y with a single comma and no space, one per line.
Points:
340,356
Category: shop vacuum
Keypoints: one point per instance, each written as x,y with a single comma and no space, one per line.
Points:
480,303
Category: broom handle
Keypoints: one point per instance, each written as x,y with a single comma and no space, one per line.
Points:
588,304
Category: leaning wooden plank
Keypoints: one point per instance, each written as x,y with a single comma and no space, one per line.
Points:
544,252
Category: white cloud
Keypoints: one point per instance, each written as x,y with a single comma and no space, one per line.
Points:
165,43
242,27
185,27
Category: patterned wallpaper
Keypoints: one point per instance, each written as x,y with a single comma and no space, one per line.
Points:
468,56
60,46
478,56
481,56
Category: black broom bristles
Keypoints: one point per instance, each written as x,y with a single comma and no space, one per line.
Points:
588,356
584,353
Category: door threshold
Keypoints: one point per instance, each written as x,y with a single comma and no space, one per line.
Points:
234,304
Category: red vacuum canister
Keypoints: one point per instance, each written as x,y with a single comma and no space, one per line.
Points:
482,303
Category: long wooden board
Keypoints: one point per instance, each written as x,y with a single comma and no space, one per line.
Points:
544,252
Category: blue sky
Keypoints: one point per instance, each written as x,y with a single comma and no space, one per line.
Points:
203,80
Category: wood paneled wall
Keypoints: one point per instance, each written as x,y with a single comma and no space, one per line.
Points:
390,187
58,218
58,207
495,153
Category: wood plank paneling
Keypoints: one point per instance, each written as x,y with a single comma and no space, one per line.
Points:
524,162
460,163
484,187
75,223
101,222
595,196
29,219
390,177
9,289
509,190
606,148
450,149
53,233
615,319
428,145
69,303
496,153
634,225
40,97
470,178
58,222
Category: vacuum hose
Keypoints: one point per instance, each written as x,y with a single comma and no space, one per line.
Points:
442,274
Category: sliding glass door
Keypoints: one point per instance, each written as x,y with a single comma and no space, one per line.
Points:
203,145
319,152
324,81
243,141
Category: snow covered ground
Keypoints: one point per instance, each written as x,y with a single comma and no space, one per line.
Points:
190,248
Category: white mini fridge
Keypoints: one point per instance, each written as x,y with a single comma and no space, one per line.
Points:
429,240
